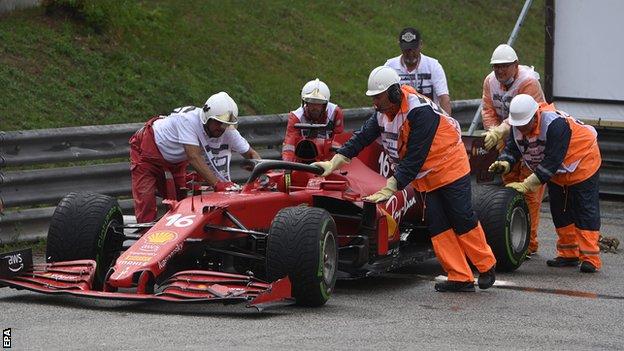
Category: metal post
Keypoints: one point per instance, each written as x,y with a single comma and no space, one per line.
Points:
512,38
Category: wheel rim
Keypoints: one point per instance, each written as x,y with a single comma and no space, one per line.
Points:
518,229
329,258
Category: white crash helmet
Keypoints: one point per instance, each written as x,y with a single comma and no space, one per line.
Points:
503,54
380,79
220,107
522,109
315,92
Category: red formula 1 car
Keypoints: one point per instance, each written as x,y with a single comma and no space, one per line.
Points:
287,235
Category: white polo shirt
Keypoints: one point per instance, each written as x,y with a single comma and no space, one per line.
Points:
184,126
428,78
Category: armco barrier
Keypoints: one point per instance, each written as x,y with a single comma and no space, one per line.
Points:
29,196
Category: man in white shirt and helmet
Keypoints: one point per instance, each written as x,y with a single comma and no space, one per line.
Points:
315,109
202,137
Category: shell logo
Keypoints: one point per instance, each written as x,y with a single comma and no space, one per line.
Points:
161,237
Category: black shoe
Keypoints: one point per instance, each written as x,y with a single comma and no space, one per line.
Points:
587,267
487,279
452,286
563,262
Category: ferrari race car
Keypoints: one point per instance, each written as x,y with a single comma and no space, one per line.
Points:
287,235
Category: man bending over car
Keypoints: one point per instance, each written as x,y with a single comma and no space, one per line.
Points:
204,137
427,151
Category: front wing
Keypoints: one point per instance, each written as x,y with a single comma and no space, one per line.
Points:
75,278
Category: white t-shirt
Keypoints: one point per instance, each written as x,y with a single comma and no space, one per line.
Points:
184,126
428,78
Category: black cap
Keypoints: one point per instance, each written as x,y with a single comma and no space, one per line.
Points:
409,38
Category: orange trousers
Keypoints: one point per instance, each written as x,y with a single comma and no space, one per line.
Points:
575,211
452,249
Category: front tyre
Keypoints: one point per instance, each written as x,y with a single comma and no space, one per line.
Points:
83,227
302,245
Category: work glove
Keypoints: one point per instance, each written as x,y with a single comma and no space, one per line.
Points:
530,184
495,135
329,166
500,167
385,193
226,186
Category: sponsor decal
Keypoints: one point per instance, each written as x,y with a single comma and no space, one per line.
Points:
163,262
132,263
160,238
400,203
122,272
6,338
62,277
137,258
148,248
15,262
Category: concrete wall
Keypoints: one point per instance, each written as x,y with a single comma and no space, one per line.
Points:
11,5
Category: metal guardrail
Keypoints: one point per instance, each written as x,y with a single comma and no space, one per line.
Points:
21,190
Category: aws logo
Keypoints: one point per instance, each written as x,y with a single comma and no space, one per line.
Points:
15,262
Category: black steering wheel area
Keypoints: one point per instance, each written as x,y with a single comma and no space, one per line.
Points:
263,166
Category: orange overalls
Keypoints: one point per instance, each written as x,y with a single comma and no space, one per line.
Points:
444,182
573,189
496,100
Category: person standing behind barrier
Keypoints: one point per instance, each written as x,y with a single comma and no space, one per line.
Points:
508,79
422,72
315,109
563,153
203,137
426,147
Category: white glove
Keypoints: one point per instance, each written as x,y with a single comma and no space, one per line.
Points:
385,193
495,135
329,166
500,167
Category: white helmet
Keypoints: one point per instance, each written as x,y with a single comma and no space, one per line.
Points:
220,107
522,109
380,79
315,92
503,54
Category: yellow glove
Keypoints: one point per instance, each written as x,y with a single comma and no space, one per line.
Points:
385,192
500,167
530,184
495,135
329,166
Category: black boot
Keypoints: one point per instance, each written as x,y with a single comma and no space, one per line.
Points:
587,267
487,279
563,262
453,286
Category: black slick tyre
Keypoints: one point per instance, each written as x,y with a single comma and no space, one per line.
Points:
83,227
302,245
504,215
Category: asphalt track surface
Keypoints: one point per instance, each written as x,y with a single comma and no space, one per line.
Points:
536,307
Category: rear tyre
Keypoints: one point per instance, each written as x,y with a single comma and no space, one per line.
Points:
504,215
83,227
302,245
